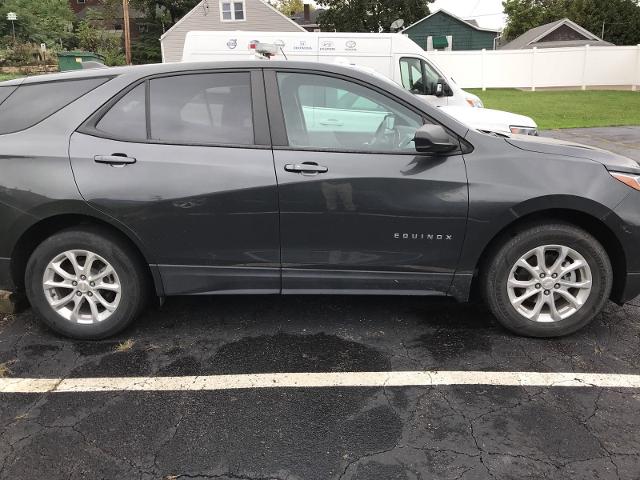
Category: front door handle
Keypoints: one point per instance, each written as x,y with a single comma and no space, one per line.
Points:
114,159
307,168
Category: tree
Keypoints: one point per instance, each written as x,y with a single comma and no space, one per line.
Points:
370,15
173,10
39,21
288,7
620,18
103,42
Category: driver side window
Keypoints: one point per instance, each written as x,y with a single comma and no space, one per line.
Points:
330,113
418,76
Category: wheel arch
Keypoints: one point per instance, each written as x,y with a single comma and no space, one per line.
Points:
592,224
28,241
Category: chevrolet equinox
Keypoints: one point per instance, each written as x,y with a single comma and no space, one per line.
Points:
296,178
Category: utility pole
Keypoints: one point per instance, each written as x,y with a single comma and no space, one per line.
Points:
127,31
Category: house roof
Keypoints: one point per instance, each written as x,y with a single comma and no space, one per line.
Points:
199,5
531,37
472,23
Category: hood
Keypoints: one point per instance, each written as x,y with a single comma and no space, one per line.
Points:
612,161
488,120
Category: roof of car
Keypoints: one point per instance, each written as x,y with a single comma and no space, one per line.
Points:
159,68
140,71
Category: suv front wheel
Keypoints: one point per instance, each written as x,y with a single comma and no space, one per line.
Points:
548,280
85,283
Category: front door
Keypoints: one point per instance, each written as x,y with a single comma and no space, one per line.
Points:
191,176
360,211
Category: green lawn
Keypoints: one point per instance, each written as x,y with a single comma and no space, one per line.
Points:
8,76
567,109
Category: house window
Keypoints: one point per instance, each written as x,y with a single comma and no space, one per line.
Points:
232,11
80,1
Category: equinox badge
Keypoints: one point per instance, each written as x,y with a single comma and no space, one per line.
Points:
422,236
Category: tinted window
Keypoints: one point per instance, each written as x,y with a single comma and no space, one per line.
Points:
326,112
202,108
32,103
127,118
5,92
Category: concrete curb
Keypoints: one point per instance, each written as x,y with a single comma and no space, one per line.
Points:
10,303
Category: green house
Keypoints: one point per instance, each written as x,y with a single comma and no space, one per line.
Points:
444,31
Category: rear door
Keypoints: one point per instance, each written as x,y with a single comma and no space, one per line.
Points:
361,211
185,162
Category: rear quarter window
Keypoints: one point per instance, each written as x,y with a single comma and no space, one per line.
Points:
5,92
29,104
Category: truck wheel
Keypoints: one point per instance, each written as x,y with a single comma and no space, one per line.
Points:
548,280
85,283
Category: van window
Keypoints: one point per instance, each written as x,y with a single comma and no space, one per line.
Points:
202,108
127,118
411,73
329,113
32,103
418,76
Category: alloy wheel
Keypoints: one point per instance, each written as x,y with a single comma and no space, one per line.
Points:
549,283
82,287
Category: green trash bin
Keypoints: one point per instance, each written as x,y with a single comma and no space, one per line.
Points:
74,60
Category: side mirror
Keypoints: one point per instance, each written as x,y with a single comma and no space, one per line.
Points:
448,91
439,89
434,139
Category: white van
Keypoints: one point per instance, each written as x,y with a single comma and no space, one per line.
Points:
392,55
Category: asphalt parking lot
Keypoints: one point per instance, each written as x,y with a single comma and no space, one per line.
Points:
622,140
445,431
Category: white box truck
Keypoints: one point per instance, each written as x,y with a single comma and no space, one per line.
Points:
392,55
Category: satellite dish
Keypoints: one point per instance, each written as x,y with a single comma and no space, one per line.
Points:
397,25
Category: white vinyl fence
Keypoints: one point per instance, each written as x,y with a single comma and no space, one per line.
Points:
541,68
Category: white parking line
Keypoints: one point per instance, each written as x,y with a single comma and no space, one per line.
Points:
316,380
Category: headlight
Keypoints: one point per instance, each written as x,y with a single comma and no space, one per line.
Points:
475,102
629,179
523,130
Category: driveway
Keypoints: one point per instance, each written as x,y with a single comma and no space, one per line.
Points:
178,395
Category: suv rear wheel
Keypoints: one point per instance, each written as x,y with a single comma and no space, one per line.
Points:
548,280
85,283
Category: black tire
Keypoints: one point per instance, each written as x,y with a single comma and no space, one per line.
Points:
111,248
496,273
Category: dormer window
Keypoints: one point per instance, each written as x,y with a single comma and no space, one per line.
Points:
232,11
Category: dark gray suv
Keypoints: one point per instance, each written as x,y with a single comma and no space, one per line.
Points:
294,178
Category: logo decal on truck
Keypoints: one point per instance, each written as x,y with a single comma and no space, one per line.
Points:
232,43
351,45
422,236
302,45
327,46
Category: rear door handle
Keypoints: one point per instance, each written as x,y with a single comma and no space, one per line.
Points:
306,168
114,159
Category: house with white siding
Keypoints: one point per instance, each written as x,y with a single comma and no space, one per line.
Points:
224,15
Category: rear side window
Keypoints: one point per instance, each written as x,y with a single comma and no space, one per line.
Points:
5,92
202,108
127,118
30,104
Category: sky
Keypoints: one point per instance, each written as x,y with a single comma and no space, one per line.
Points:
488,13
